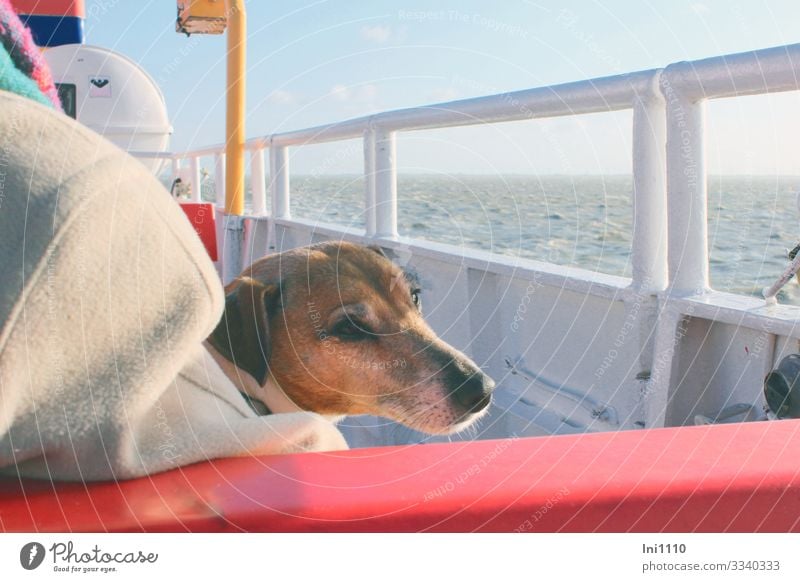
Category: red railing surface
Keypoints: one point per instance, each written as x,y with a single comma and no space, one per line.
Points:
737,478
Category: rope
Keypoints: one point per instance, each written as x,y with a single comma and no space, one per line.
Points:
770,292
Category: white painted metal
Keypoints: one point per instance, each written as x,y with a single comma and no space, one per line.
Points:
255,243
649,246
258,183
385,184
762,71
279,182
655,393
687,198
175,169
369,182
232,246
196,178
219,179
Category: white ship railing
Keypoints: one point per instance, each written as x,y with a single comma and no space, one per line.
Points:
669,167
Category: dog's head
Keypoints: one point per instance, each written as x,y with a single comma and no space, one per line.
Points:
339,329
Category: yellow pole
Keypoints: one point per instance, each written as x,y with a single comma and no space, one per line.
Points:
234,119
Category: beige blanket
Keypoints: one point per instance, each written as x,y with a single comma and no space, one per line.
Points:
106,294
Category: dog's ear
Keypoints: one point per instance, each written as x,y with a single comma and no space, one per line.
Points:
242,335
379,250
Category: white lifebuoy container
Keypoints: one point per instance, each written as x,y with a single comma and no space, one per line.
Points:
113,96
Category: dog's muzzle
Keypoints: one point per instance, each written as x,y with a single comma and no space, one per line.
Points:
470,389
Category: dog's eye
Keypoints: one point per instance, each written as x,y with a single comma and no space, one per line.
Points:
350,330
415,298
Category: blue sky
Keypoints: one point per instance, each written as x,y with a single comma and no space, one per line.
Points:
317,62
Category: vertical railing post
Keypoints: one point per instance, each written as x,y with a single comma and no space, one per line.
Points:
687,235
649,247
176,169
219,179
687,195
194,164
258,182
385,184
279,182
369,182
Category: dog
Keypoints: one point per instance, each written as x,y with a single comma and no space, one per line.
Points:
337,329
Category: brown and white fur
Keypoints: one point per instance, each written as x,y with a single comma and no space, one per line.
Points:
336,329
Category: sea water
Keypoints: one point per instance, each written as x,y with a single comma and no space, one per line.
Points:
581,221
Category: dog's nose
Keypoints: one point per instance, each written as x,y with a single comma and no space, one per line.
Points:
475,393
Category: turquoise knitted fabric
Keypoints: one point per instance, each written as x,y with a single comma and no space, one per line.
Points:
23,70
15,81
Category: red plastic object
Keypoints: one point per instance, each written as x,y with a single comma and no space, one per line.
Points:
201,215
739,478
74,8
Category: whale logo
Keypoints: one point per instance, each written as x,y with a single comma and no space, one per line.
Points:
31,555
100,86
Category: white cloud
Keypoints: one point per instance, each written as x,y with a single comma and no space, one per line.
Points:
340,92
699,8
377,33
367,92
355,94
281,97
